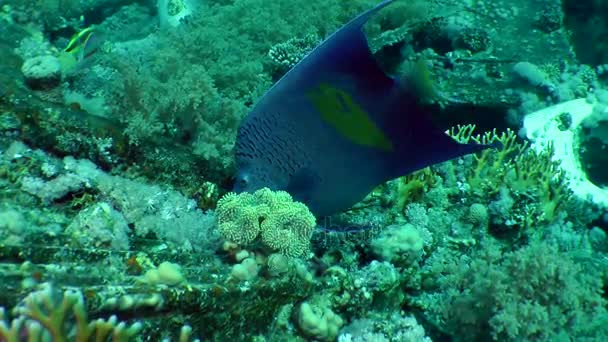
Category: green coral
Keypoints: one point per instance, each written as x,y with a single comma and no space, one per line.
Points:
534,293
491,164
273,217
289,53
43,316
512,165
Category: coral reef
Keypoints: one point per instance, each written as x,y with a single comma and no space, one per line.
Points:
42,316
117,124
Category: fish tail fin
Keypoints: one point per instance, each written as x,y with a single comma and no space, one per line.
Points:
422,143
408,123
419,142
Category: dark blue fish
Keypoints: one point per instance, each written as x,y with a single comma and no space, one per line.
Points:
336,126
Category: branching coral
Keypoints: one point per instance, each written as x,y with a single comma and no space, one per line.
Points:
489,164
531,176
411,187
42,316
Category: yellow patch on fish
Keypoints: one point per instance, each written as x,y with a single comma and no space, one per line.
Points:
338,109
79,40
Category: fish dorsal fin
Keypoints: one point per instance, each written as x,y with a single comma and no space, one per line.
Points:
329,78
346,51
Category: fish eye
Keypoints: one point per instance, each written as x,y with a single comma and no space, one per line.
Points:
242,181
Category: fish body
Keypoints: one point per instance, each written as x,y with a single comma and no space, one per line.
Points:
336,126
79,49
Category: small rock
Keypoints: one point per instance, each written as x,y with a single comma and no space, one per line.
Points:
42,72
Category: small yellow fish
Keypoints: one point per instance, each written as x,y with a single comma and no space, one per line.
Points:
78,42
82,45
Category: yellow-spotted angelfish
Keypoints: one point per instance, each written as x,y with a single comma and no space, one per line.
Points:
336,126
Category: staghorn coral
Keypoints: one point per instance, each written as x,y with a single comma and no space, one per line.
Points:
489,164
533,179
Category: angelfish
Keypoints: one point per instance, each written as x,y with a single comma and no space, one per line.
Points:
335,126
